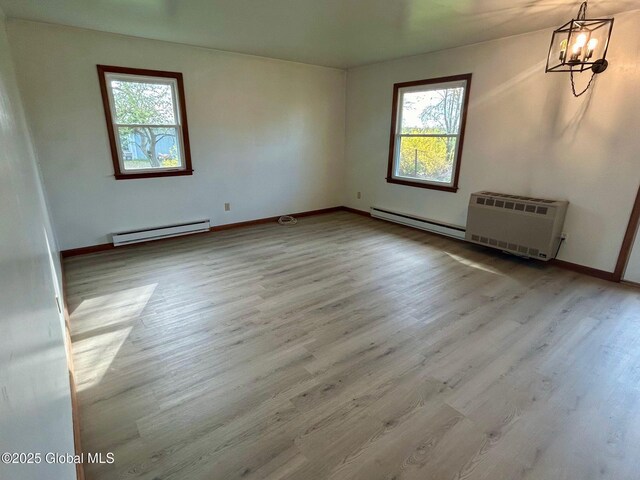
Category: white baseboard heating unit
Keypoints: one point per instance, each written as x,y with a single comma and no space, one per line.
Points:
422,223
148,234
524,226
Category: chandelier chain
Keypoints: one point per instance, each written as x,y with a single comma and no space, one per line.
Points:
582,13
573,85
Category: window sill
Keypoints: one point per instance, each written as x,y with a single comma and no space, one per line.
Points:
169,173
409,183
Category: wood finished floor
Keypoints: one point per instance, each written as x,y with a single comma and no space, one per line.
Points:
350,348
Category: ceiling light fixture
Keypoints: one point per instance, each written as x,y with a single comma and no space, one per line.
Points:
580,44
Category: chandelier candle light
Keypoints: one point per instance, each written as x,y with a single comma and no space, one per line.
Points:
580,44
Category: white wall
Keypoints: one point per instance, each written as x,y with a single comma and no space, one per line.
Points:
35,402
526,134
266,135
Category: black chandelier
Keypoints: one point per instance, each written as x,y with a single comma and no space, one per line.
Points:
580,44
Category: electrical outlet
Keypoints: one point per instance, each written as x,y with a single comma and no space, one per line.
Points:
564,236
227,207
359,195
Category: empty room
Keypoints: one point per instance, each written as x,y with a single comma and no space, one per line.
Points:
319,240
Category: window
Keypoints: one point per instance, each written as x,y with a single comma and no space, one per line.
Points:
427,131
146,122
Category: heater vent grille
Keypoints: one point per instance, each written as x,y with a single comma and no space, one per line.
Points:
520,249
517,206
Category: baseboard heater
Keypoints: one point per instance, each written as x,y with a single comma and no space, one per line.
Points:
148,234
429,225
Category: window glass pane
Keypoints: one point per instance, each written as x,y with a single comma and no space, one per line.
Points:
432,111
148,148
143,103
426,158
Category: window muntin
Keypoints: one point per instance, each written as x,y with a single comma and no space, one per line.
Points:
427,132
146,120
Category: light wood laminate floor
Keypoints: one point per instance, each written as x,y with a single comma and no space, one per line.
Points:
349,348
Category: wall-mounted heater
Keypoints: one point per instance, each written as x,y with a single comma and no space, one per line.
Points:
525,226
148,234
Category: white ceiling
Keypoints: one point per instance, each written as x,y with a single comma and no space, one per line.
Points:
337,33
